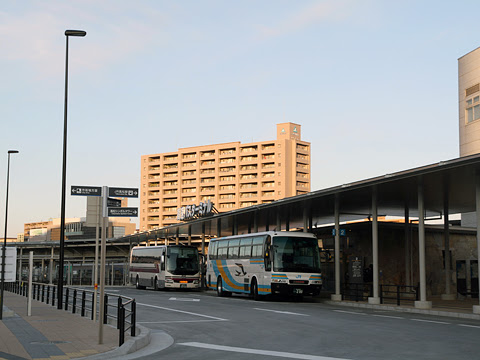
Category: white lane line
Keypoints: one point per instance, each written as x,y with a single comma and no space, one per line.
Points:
174,321
183,299
431,321
281,312
350,312
259,352
389,316
472,326
183,312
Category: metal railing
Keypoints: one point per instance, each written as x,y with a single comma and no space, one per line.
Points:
82,300
398,293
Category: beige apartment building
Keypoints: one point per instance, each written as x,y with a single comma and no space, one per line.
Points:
230,175
469,102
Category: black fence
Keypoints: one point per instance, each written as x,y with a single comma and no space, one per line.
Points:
387,293
82,301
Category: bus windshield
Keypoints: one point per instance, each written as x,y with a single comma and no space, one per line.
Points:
294,254
182,260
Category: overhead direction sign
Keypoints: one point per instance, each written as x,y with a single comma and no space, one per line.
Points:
123,211
114,202
123,192
86,190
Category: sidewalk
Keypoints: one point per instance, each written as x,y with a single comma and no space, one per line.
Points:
49,333
459,308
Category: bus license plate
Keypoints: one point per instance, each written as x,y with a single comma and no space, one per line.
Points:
297,291
183,285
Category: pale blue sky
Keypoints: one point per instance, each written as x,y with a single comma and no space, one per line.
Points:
373,84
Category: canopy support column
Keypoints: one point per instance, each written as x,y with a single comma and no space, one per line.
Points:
337,296
476,308
375,299
422,303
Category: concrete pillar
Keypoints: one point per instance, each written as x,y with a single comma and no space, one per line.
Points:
177,240
235,226
287,220
255,222
408,248
337,296
203,253
476,308
305,218
279,221
446,237
422,303
189,235
375,299
20,265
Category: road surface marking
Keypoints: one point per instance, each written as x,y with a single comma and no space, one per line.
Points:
473,326
389,316
181,311
174,321
259,352
281,312
431,321
183,299
350,312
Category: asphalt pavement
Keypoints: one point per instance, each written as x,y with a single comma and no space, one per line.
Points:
50,333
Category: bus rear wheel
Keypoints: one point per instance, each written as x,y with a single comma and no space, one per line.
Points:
137,283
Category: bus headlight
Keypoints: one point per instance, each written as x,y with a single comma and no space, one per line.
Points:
195,281
316,282
169,281
280,281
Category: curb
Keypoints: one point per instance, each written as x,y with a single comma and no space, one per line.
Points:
130,346
405,310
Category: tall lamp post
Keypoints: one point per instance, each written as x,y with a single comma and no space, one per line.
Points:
4,249
68,33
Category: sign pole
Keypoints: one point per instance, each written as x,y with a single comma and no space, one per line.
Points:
95,269
102,264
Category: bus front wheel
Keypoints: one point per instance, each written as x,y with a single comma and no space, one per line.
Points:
254,290
220,291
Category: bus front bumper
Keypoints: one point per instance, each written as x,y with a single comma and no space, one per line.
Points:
288,289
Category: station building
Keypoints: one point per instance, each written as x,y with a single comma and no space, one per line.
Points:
231,175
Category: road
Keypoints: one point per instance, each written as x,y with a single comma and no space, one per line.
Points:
204,326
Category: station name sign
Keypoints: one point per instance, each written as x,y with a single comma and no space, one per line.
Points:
195,211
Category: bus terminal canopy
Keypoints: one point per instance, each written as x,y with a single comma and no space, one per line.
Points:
446,187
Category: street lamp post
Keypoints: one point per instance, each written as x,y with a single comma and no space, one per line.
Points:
4,249
68,33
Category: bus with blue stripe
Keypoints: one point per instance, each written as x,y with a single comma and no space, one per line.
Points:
266,263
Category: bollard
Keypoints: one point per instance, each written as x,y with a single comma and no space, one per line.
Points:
381,294
122,326
74,302
133,318
83,304
43,292
93,299
398,295
38,292
48,294
66,299
105,308
119,305
53,295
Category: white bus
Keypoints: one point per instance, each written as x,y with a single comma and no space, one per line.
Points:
285,263
166,266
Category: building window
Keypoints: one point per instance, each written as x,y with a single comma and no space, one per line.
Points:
473,109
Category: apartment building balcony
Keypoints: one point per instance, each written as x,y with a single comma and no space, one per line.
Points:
248,159
268,147
189,164
170,200
207,171
248,203
252,167
227,169
170,175
249,186
154,177
170,192
225,206
248,149
170,183
248,195
153,184
170,166
154,202
227,152
268,175
207,154
170,158
154,160
155,193
204,189
227,178
154,168
189,156
204,163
